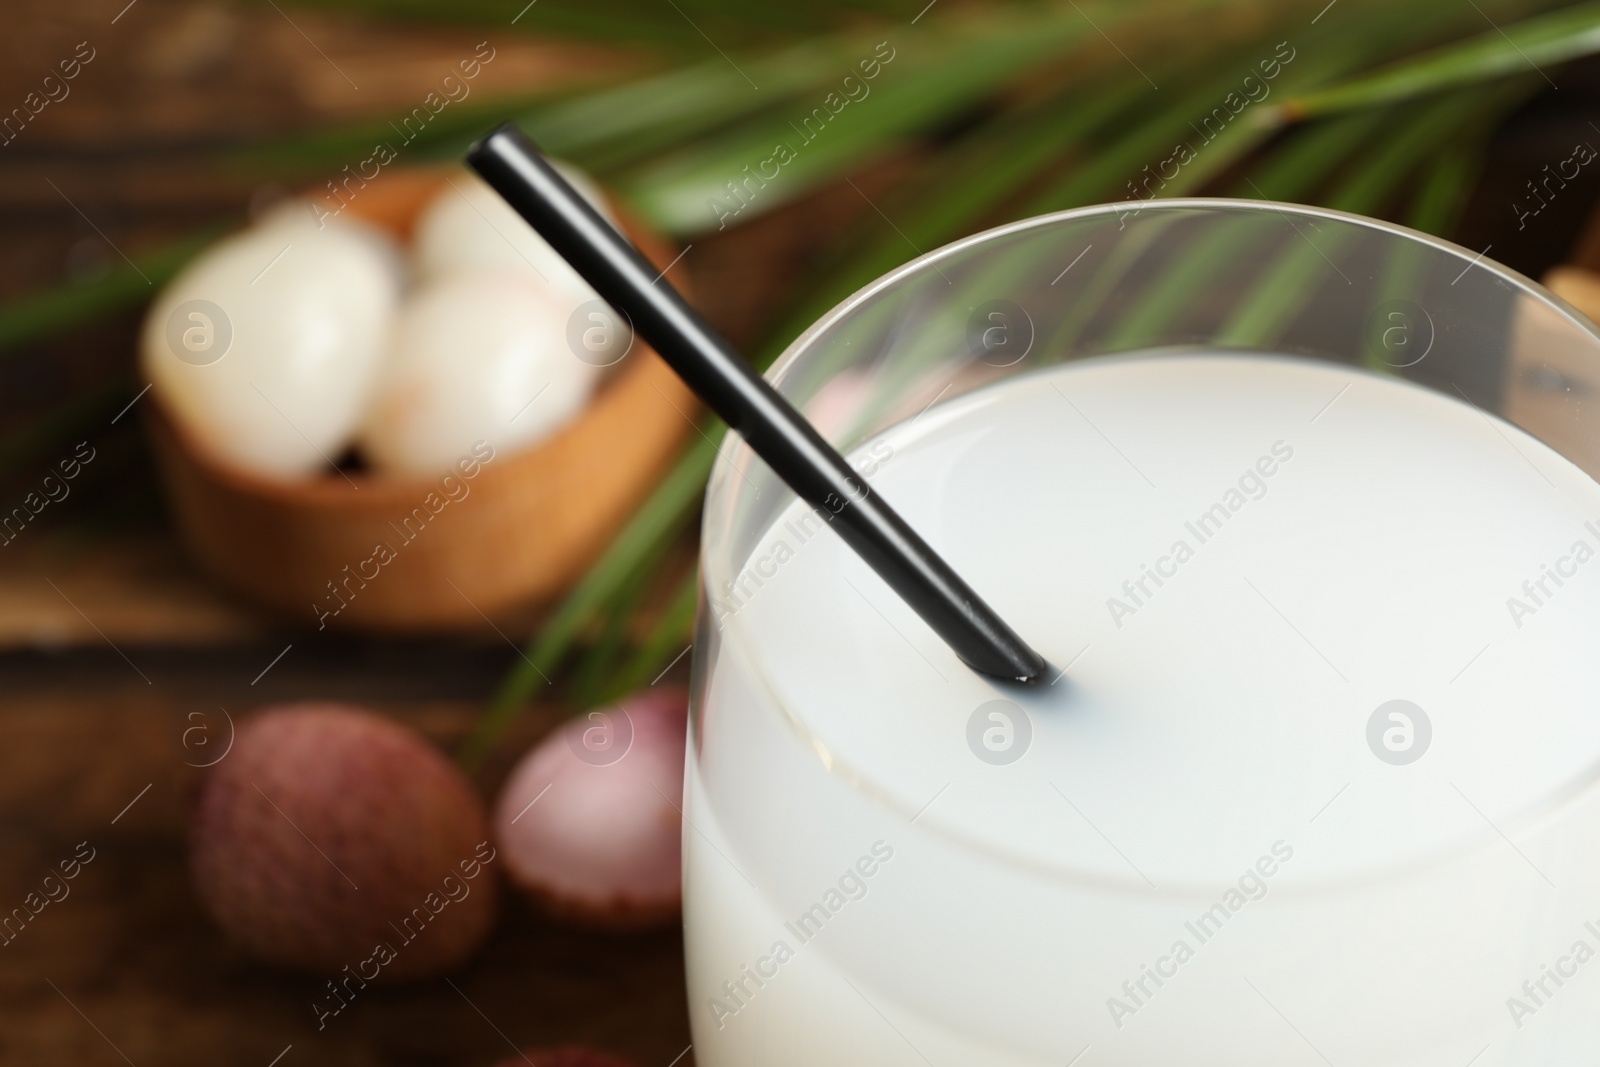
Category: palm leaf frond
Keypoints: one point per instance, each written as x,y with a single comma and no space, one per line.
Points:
1529,46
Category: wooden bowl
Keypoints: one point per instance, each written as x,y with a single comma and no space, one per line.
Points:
526,526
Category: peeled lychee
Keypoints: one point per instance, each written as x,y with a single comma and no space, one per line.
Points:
590,821
266,348
468,228
332,837
475,358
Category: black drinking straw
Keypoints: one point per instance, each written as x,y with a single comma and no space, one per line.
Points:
777,432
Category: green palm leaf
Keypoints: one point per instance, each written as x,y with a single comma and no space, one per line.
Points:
929,78
1528,46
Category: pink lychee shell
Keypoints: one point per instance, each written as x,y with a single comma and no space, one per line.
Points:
603,842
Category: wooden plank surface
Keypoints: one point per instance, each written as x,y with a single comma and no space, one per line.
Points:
126,967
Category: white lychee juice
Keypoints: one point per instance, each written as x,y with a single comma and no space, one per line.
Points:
1311,779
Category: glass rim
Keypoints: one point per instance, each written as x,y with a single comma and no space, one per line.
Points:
1566,794
926,260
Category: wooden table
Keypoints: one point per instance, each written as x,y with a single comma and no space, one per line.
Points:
128,968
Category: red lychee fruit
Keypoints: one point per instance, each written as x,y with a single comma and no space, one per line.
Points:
565,1056
332,837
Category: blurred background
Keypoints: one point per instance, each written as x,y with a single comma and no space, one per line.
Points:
774,158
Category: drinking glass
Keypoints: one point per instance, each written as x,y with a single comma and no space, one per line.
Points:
861,897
